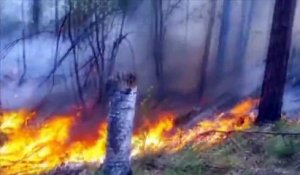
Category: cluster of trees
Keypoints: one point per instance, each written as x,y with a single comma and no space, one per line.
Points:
274,78
97,15
98,26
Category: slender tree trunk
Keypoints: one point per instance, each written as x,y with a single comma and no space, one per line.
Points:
158,45
36,15
244,34
223,36
116,46
22,78
277,61
75,60
122,91
205,57
56,17
102,61
186,25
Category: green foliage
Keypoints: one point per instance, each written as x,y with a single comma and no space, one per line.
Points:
247,172
229,154
282,147
99,172
189,162
293,127
286,126
188,170
280,126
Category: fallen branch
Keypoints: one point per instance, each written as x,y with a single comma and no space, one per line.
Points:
252,132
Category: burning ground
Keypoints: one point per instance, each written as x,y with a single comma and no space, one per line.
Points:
30,146
252,152
159,146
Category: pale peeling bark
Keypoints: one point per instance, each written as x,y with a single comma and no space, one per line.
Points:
122,92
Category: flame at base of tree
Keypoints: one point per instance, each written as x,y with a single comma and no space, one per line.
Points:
34,149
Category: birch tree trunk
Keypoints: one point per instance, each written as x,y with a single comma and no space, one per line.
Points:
122,93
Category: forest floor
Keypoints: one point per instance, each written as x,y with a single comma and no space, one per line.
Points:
244,153
262,150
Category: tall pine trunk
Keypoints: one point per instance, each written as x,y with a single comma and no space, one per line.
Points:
277,61
122,92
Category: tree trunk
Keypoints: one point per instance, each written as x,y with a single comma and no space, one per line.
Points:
36,15
75,60
122,92
277,61
223,36
56,13
205,57
22,78
158,45
243,35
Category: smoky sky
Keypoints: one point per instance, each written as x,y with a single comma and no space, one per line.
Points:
186,29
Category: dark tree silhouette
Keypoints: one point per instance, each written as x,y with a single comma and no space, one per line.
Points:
56,17
158,44
205,57
162,10
36,15
277,61
223,36
244,34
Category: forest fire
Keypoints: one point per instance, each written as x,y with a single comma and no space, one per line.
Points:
37,148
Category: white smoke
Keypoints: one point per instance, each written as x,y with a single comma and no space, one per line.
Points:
186,30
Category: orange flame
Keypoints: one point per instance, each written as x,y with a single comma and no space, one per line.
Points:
34,149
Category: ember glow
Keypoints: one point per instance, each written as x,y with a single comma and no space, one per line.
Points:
34,147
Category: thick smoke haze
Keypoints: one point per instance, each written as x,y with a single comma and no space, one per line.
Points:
186,29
